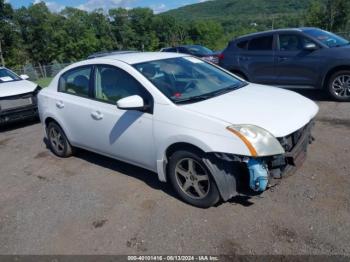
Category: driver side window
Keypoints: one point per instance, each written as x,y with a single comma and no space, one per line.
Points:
292,42
113,84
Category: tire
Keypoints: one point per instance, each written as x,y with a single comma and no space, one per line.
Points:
58,141
192,180
339,86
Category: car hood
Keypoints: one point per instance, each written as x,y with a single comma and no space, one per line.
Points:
279,111
16,88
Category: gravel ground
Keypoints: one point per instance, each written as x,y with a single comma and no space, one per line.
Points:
89,204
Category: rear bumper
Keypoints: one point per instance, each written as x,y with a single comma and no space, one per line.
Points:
18,114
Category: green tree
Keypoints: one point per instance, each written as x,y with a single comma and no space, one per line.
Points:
37,32
81,39
11,49
331,15
102,29
206,33
170,31
121,29
141,20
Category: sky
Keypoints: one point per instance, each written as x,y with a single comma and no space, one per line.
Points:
89,5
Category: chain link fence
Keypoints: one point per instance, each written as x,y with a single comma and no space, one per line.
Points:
40,72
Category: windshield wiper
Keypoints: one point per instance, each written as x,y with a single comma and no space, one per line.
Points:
193,99
209,95
226,90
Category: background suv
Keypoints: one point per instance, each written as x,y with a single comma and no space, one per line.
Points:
195,50
292,58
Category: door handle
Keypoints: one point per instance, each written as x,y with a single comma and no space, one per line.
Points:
60,104
97,115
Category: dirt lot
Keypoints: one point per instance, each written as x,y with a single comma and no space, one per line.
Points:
90,204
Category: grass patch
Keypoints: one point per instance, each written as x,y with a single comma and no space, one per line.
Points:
43,82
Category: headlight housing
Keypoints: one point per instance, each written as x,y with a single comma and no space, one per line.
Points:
259,141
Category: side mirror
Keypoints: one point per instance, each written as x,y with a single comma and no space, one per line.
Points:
131,103
24,77
310,47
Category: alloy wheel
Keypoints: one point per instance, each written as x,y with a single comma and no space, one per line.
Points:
192,178
57,140
341,86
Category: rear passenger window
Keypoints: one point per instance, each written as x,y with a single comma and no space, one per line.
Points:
263,43
76,81
242,45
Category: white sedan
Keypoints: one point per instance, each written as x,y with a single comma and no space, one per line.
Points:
196,125
17,97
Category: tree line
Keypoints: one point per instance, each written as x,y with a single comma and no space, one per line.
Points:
35,35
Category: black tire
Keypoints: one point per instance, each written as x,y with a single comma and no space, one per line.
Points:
331,90
64,149
208,186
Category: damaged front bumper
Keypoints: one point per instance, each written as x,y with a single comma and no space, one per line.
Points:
264,171
296,146
19,107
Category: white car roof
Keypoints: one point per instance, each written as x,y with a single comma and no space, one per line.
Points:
140,57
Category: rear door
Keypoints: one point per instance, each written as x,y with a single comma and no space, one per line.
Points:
257,59
72,103
296,66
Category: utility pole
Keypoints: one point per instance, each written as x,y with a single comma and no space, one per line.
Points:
2,60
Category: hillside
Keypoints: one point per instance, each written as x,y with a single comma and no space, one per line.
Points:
242,11
220,9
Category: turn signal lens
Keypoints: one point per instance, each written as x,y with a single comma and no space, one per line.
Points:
241,135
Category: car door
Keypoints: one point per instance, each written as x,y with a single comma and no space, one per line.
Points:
296,66
257,59
124,134
72,103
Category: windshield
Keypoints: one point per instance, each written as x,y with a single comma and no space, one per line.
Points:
330,39
188,79
8,76
199,50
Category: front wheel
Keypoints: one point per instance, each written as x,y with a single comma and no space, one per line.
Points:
192,180
339,86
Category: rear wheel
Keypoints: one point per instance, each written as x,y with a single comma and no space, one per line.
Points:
192,180
339,86
58,141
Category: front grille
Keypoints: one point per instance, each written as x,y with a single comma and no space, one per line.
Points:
290,141
18,102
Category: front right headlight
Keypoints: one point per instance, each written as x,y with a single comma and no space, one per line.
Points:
259,141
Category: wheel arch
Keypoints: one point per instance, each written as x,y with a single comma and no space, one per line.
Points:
48,119
225,182
331,72
182,146
166,150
